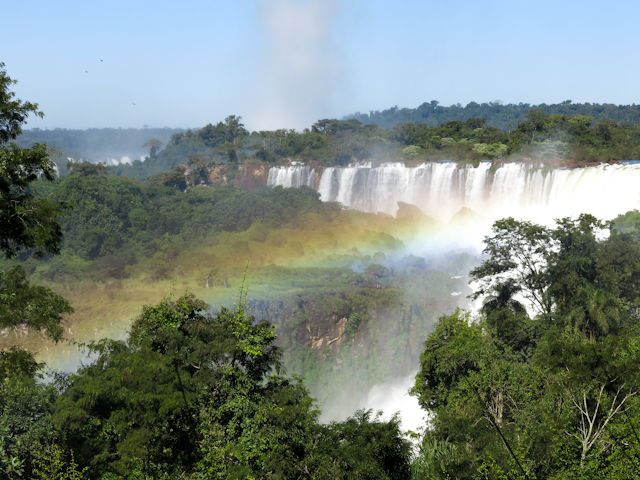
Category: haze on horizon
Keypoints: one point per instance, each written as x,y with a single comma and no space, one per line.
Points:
288,63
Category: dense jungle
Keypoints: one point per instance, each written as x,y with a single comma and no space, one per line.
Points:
163,325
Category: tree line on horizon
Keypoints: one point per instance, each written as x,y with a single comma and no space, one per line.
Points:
541,137
498,114
579,132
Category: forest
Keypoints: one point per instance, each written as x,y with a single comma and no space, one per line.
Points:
499,115
567,132
541,382
539,137
548,391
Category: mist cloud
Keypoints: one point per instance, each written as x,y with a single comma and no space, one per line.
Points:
300,65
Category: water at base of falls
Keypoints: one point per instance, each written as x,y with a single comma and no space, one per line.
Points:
440,189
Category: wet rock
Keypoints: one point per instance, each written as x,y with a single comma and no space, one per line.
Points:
407,210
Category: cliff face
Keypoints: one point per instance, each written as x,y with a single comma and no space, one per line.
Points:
369,326
248,177
364,326
345,342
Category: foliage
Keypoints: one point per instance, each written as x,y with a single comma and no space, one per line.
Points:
190,393
154,146
516,254
28,222
51,466
34,307
362,447
495,114
117,224
25,424
548,396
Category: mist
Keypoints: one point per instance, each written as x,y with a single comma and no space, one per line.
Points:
299,68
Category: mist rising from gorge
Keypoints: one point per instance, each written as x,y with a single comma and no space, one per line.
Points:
300,66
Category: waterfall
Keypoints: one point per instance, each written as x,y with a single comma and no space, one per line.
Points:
292,176
440,189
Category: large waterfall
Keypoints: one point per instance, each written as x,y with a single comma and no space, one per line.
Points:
441,189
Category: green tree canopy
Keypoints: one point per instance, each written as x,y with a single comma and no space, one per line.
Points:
28,222
554,395
192,393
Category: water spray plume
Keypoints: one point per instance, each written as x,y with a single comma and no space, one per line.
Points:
299,66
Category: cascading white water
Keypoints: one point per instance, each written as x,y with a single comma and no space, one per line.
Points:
439,189
442,189
121,161
292,176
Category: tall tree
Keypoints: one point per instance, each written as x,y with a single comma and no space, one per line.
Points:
154,147
28,223
517,255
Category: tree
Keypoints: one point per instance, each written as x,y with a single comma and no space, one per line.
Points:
229,151
28,222
84,169
597,379
227,132
190,393
517,253
579,127
537,122
185,388
559,391
503,299
473,393
605,129
154,146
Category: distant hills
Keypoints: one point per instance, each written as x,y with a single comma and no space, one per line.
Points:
97,144
499,115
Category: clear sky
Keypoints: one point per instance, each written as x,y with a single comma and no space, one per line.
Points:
288,63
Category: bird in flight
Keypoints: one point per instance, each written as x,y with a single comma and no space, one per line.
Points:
86,71
134,103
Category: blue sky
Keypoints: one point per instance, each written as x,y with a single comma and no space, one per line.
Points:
287,63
